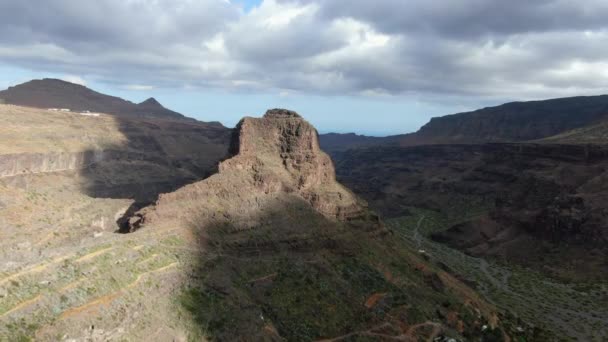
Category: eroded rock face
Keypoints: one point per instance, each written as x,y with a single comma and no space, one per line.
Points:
277,156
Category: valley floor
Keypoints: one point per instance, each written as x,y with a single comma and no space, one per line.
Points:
573,311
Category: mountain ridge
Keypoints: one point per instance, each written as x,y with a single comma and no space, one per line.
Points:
513,121
517,121
54,93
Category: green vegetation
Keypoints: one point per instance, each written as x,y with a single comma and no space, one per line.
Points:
54,287
206,308
343,282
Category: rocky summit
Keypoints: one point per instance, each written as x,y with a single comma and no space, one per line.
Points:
274,156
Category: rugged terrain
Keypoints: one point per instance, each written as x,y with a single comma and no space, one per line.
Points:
536,206
246,232
270,247
286,252
519,188
67,181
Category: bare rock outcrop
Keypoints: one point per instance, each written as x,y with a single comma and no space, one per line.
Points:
276,157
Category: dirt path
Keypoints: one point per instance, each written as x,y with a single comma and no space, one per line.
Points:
22,305
35,269
109,298
502,285
408,336
417,237
93,254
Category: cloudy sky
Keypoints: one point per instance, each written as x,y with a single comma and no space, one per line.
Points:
376,67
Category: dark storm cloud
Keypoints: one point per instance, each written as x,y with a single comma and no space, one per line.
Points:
102,23
466,48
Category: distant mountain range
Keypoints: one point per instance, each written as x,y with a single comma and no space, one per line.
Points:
510,122
53,93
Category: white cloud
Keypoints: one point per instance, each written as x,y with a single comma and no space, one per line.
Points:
278,16
454,48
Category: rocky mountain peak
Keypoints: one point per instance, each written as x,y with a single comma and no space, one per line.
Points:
272,135
280,113
288,147
151,102
274,158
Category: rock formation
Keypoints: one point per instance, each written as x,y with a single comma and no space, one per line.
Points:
274,156
280,238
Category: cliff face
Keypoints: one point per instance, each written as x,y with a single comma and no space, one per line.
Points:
30,163
114,157
277,155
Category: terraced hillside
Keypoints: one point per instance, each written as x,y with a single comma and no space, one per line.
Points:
66,181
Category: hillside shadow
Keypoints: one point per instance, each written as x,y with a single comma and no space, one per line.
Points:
297,276
282,278
156,156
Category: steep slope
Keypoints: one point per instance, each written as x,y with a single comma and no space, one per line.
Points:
593,134
39,141
66,181
287,253
271,247
517,121
53,93
98,164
